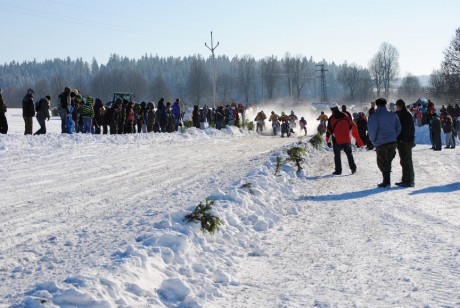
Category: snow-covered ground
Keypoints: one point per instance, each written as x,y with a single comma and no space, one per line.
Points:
97,221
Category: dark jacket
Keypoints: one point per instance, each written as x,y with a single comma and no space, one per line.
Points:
28,106
44,110
98,105
2,106
64,100
436,126
110,116
407,133
160,115
196,116
447,126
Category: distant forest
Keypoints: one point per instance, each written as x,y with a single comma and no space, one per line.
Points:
244,80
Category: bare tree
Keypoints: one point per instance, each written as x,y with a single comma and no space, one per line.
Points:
410,87
225,86
271,75
437,86
302,73
198,81
136,83
364,89
376,71
349,77
42,87
288,67
159,88
246,75
390,57
58,82
101,85
384,67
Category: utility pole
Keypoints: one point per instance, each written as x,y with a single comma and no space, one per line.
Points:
323,82
212,48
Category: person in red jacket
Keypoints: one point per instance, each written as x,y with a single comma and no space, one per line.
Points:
338,136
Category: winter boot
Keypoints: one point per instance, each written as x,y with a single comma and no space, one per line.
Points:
386,180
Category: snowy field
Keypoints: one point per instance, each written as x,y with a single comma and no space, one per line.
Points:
97,221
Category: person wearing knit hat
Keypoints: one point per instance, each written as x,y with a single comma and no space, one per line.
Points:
384,127
405,144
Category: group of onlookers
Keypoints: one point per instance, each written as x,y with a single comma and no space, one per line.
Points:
388,130
85,114
382,129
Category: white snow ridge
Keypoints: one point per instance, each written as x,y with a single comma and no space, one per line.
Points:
98,221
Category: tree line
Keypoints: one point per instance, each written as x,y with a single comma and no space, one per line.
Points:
242,79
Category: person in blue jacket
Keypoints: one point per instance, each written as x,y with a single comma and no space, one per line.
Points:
384,127
177,114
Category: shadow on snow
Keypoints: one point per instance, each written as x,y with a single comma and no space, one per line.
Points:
438,189
344,196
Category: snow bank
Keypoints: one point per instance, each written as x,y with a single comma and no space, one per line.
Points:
172,263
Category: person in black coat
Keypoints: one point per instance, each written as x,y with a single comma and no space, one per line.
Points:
161,116
110,118
436,132
28,111
361,123
3,121
405,141
98,114
196,117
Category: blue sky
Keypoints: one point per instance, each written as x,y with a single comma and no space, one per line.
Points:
332,30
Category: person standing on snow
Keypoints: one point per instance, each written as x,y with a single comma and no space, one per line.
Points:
219,117
3,121
28,111
87,113
405,144
436,132
384,127
361,123
448,128
196,116
43,112
338,136
177,114
99,111
64,103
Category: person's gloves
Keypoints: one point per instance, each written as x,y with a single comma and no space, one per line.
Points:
329,144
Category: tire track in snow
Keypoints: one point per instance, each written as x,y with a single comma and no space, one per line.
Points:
94,205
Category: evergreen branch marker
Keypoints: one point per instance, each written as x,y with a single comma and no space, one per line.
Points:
317,141
202,214
296,155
